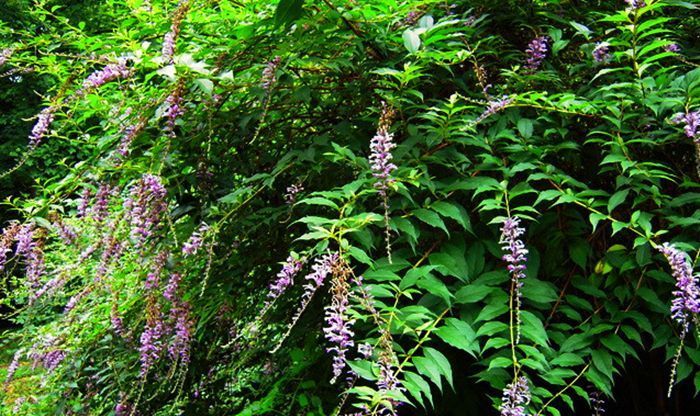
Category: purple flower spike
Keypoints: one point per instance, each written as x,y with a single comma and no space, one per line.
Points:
691,120
516,257
635,4
515,397
494,106
108,73
44,120
285,278
687,297
192,246
536,52
338,330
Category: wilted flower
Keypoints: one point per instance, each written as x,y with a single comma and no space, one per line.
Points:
44,120
687,297
536,52
290,198
515,397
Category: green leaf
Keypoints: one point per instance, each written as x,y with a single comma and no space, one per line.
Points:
411,40
430,218
288,11
442,362
453,211
617,198
459,334
525,127
472,293
417,385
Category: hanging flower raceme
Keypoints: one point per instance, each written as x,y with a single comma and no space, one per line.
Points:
691,119
47,353
98,211
112,251
13,367
183,325
285,278
338,330
516,397
536,52
601,52
321,269
129,134
516,257
194,243
687,296
65,232
145,207
44,120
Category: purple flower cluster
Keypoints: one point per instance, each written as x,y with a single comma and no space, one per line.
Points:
44,120
183,328
516,396
516,257
30,248
194,243
338,330
494,106
601,52
687,297
290,198
98,211
170,38
145,206
109,73
151,341
691,119
322,267
268,74
673,47
12,368
112,251
285,278
411,18
536,52
636,4
516,253
73,301
65,232
173,111
123,408
47,354
84,202
130,133
380,157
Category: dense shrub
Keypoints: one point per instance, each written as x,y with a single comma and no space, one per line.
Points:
350,207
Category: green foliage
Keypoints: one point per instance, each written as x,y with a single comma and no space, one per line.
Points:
585,153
